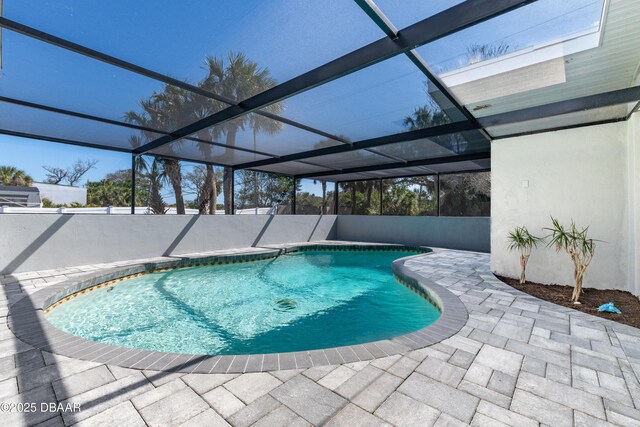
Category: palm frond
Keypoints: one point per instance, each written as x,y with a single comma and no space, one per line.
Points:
521,239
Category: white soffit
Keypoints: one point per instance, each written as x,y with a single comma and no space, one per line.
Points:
602,60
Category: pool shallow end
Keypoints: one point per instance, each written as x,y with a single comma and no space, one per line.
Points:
49,338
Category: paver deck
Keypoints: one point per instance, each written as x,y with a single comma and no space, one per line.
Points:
518,361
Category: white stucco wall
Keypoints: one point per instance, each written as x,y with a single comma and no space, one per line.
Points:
633,168
62,194
587,174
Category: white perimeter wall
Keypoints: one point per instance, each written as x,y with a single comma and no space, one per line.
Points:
588,174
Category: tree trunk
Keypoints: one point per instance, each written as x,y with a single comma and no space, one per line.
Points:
324,198
227,176
155,199
213,200
172,168
353,199
577,278
577,289
523,267
256,193
228,173
205,192
255,174
369,193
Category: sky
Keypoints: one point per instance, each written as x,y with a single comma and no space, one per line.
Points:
288,37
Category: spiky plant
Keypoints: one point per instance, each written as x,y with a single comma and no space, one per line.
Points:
580,248
521,240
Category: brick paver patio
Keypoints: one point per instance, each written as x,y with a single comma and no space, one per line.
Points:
518,361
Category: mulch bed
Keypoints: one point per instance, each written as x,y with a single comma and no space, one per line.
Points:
591,299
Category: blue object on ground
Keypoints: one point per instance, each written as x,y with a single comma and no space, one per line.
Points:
609,308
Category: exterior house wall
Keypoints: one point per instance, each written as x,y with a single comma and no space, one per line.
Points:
586,174
62,194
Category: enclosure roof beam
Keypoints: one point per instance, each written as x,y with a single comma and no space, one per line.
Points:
423,162
584,103
419,175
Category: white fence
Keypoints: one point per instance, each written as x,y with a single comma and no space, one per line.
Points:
119,210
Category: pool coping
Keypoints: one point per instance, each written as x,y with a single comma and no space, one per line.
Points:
28,322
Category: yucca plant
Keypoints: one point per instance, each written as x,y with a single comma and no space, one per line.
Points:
580,248
521,240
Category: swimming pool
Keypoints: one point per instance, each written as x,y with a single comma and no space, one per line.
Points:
301,301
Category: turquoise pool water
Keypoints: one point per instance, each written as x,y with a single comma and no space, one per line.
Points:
301,301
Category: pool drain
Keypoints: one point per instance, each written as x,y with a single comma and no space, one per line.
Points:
285,304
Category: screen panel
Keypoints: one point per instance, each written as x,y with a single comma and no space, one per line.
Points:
411,171
410,196
293,168
203,152
350,159
383,99
285,38
439,146
359,197
255,132
34,121
314,197
465,194
402,14
262,193
40,73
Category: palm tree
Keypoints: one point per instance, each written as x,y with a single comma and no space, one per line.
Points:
174,107
239,79
201,107
259,123
10,175
154,171
167,110
430,115
324,197
522,241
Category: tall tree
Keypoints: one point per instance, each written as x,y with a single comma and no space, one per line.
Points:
78,169
10,175
72,174
198,181
430,115
238,78
167,110
481,52
55,175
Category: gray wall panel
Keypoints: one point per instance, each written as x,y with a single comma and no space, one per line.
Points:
46,241
42,241
468,233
